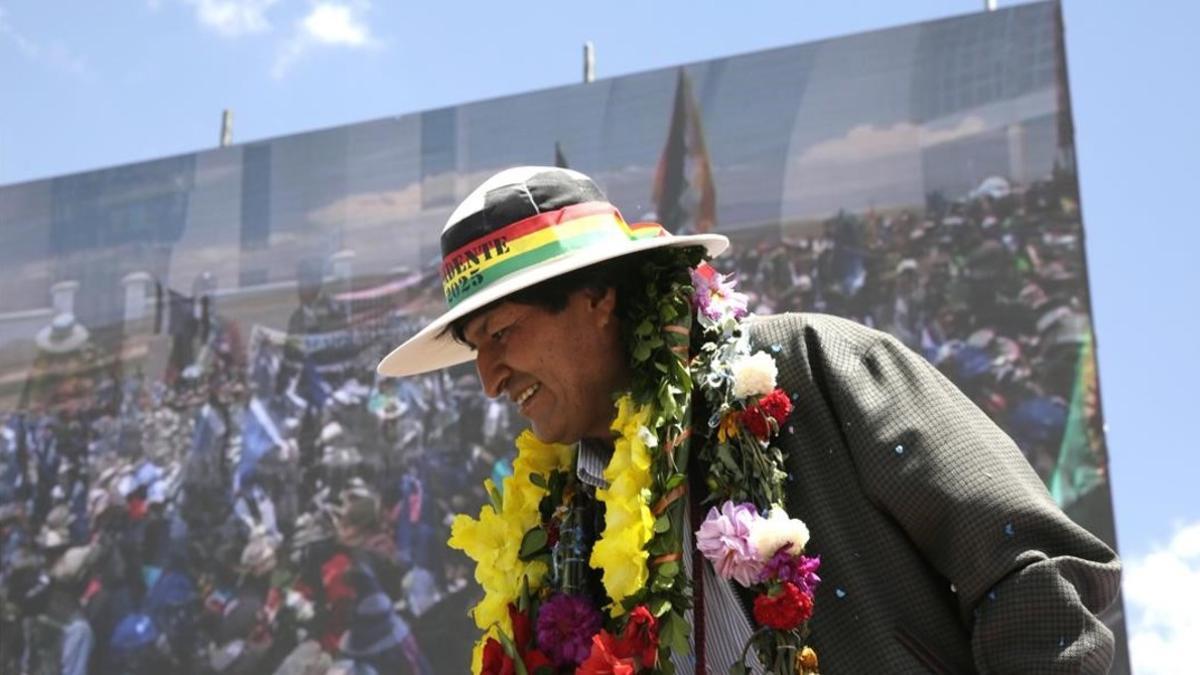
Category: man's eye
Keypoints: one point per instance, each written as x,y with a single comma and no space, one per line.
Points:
499,334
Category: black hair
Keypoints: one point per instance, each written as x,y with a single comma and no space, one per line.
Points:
622,274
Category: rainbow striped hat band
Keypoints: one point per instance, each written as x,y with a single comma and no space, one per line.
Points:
520,227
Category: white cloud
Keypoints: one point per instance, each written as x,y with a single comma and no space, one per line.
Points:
334,24
327,24
368,210
53,54
1162,592
866,141
232,18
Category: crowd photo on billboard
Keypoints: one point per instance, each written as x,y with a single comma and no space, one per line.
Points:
201,471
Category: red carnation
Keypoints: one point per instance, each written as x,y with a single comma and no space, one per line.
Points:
785,610
776,405
495,661
640,637
756,423
604,659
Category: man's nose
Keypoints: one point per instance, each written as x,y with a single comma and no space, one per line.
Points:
493,374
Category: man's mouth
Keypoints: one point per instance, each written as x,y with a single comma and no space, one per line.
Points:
527,394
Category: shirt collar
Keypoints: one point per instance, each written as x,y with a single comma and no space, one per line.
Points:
593,457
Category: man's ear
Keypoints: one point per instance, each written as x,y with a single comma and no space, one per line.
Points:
603,301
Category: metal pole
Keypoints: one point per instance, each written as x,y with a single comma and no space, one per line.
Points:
589,61
989,5
226,127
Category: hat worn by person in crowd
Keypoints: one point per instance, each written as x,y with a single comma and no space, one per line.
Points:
64,334
520,227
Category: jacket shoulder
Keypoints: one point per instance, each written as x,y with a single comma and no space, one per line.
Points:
805,332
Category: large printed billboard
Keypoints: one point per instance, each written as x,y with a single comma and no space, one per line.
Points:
187,344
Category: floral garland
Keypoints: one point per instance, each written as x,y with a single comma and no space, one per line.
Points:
549,606
750,538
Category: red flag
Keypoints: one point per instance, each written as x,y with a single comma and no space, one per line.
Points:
684,195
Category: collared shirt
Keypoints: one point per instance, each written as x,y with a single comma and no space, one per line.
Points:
727,628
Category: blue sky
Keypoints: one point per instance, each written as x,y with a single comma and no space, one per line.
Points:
90,84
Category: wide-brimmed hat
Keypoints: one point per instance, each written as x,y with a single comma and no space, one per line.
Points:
520,227
64,334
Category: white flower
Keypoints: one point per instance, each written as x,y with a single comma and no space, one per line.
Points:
776,530
753,375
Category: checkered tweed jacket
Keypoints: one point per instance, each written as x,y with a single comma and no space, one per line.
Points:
941,551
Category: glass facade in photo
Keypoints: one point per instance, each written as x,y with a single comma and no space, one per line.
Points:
187,345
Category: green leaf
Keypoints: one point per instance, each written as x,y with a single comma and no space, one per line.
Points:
533,542
659,546
669,569
659,606
523,598
675,632
511,650
641,352
538,480
725,456
738,668
494,498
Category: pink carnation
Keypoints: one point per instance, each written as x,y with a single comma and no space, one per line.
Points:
724,538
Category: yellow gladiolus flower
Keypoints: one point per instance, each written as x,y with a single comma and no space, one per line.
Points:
622,557
620,552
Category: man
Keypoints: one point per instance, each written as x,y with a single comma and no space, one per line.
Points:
69,637
939,548
316,352
206,346
316,343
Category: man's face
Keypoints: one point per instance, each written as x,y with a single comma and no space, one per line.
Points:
560,370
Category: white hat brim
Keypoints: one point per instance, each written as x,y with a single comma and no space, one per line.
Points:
433,348
46,341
